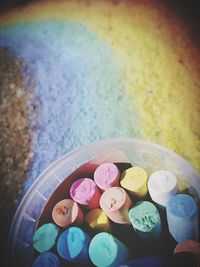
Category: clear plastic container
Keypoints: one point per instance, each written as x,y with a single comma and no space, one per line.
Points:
57,178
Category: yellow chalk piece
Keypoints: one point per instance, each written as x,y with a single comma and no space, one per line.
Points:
183,184
134,180
98,220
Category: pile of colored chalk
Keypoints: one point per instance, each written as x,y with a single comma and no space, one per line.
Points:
121,217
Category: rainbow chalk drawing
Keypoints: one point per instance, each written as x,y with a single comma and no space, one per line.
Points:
45,237
97,220
66,212
134,180
116,203
73,246
146,221
182,218
77,80
46,259
162,185
85,192
106,176
152,261
105,250
100,70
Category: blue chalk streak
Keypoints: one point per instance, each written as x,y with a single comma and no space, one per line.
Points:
79,92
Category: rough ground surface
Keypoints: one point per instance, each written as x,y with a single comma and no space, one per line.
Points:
15,140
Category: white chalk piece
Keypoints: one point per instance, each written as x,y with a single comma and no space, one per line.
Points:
182,218
162,185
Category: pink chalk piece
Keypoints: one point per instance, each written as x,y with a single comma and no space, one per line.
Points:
85,192
116,203
106,176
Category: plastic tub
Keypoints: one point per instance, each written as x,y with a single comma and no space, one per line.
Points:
42,195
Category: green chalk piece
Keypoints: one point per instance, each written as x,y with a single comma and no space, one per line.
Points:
105,250
145,219
45,237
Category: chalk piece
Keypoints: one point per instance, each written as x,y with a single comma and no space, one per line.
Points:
122,166
97,219
188,246
162,185
116,203
182,218
152,261
45,237
84,191
66,212
134,180
106,176
73,245
46,259
145,219
105,250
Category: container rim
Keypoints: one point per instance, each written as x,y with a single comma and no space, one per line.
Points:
110,143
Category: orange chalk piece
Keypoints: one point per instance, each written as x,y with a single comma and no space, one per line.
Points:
191,248
116,203
188,246
67,212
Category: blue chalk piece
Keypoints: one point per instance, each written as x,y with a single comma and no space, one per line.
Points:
73,245
182,218
107,251
146,262
46,259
